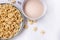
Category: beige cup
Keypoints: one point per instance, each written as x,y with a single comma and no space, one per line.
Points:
44,11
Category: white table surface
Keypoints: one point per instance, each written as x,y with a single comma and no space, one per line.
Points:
49,23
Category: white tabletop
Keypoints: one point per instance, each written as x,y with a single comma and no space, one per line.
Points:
49,23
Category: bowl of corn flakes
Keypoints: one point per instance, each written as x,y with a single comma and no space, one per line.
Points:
11,21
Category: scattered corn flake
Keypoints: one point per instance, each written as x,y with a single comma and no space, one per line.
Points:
35,29
31,21
42,32
25,26
13,1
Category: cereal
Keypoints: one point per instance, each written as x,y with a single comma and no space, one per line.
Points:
13,1
10,19
42,32
10,15
31,21
35,28
25,26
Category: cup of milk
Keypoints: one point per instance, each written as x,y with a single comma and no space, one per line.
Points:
34,9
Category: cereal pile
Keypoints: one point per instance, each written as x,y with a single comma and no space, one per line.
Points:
10,19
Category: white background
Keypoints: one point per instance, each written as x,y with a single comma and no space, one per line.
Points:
50,23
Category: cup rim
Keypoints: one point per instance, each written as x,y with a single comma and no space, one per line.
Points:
44,12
